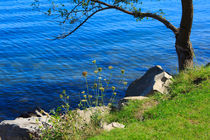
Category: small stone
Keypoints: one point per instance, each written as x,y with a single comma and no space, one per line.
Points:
112,125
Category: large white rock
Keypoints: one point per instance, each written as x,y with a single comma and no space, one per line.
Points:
20,128
155,79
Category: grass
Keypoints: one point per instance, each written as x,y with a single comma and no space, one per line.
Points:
182,114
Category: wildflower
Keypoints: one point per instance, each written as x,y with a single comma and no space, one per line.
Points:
102,89
99,78
104,79
67,97
125,83
115,93
64,92
84,73
84,100
95,85
63,106
83,92
61,96
122,71
99,69
84,96
109,104
94,61
90,96
95,71
110,67
113,88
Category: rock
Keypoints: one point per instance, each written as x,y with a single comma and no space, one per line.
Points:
124,100
13,132
155,79
112,125
89,112
21,128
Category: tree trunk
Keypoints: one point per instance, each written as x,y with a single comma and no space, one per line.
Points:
183,45
185,55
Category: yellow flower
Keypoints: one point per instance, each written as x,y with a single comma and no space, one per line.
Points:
122,71
84,73
125,83
90,96
64,92
110,67
104,79
84,96
83,100
61,96
102,89
83,92
109,104
115,93
113,88
99,69
67,97
99,78
95,71
94,61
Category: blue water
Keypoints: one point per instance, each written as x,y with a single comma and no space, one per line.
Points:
34,70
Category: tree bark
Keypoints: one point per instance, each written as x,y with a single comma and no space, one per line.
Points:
183,45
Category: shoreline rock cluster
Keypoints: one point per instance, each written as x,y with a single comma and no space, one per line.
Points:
155,79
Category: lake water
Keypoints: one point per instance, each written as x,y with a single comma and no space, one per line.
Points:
34,70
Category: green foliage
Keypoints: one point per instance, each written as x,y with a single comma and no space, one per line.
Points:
133,112
183,114
96,119
70,125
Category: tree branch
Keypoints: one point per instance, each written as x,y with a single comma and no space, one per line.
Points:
135,14
142,15
67,16
65,35
159,18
